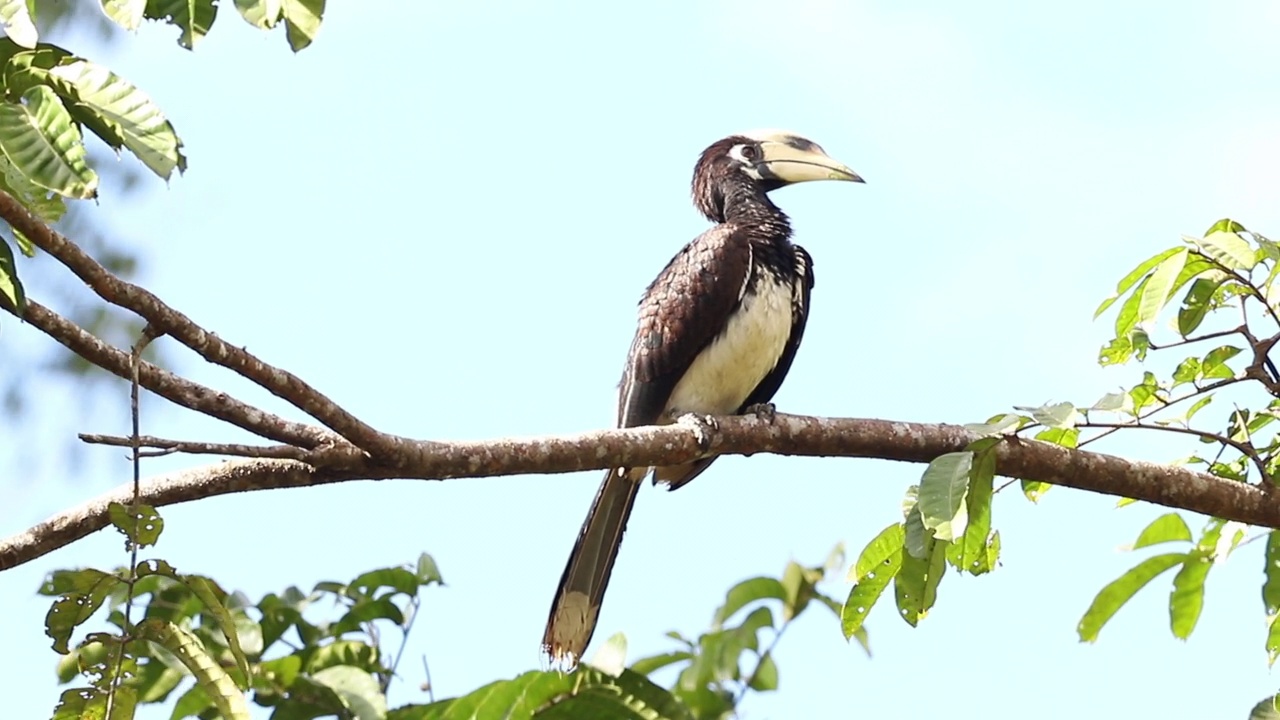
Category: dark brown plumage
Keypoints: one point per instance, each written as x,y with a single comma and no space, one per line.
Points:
717,332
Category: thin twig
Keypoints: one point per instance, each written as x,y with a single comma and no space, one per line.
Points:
1245,449
1200,391
169,321
414,604
135,359
173,388
431,688
1200,338
746,685
285,452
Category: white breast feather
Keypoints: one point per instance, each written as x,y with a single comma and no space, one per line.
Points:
725,373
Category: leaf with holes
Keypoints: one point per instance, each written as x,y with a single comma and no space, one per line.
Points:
142,528
192,17
40,139
89,588
878,564
981,481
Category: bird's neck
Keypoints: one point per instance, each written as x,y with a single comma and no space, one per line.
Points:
747,204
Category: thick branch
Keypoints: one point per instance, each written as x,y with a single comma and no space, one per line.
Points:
1175,487
176,389
208,345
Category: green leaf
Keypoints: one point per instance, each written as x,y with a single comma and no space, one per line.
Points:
916,537
397,579
916,583
16,17
1034,489
981,481
87,703
1110,402
1228,248
120,114
1197,406
1169,527
1003,424
1214,365
73,608
142,528
302,21
1062,436
211,595
1159,286
39,138
745,593
877,552
765,675
428,571
1133,277
992,558
125,13
192,17
262,14
1057,415
1196,304
10,285
1187,599
359,691
1271,570
217,685
1112,597
1266,709
558,696
942,492
798,582
1225,225
872,578
652,664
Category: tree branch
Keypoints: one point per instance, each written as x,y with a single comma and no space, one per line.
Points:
164,318
1174,487
282,452
177,390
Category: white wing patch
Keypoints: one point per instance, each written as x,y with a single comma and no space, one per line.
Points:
723,375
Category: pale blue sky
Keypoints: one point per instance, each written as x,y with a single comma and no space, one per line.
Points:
442,214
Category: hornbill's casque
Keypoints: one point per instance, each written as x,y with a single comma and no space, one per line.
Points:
717,332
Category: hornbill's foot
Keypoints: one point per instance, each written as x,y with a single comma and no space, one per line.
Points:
766,411
703,426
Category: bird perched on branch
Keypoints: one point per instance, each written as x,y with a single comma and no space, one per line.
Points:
717,332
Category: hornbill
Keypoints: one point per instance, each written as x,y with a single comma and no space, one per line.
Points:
716,335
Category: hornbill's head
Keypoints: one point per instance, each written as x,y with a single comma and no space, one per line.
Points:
768,159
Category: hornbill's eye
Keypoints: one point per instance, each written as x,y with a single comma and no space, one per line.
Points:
749,152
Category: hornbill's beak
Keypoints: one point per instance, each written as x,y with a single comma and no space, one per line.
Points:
793,160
